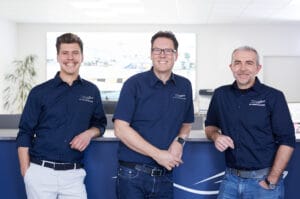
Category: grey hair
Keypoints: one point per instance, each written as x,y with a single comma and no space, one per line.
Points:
246,48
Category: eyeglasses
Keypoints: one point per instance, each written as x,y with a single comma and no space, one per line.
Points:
167,51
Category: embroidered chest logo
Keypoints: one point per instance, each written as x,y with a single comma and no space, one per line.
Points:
257,103
179,96
89,99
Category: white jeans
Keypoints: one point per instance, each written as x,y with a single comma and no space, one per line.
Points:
45,183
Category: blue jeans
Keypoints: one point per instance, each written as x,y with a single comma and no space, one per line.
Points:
233,187
133,184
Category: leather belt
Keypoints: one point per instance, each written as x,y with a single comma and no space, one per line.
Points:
148,169
260,173
57,165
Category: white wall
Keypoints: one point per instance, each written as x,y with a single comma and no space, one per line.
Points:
8,51
280,73
215,44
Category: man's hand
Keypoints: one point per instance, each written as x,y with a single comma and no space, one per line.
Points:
167,159
81,141
23,153
263,184
176,149
222,142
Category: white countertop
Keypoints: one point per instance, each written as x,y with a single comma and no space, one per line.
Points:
10,134
195,135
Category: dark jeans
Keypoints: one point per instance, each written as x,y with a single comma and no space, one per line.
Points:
133,184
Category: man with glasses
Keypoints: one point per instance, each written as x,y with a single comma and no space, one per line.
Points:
152,119
60,118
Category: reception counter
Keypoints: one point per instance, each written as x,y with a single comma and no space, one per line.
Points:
198,178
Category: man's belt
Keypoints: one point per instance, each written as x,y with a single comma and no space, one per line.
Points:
57,165
148,169
260,173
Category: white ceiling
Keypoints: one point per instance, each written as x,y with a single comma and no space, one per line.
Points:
151,11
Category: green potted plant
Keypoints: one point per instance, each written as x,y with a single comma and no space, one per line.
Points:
20,82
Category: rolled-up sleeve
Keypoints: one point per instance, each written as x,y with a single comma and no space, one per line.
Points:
28,121
98,119
282,124
211,115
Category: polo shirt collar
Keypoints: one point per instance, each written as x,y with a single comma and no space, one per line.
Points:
154,79
256,86
58,80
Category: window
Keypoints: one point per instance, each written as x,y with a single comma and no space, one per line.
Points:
110,58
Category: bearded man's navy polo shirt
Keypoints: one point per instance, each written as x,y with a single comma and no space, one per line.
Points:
258,121
155,110
54,114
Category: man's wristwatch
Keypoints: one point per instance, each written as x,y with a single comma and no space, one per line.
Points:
270,185
180,140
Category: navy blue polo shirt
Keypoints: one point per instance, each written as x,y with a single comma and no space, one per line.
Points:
258,121
54,114
155,110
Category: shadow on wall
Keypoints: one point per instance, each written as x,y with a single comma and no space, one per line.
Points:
109,109
109,106
9,121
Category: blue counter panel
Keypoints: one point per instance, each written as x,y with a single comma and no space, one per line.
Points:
11,181
198,178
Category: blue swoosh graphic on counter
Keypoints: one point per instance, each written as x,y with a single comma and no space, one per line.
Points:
195,191
201,192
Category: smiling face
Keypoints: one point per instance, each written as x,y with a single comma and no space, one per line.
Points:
70,58
244,67
163,62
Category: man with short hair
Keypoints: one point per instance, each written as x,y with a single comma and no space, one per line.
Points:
252,124
152,119
60,118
